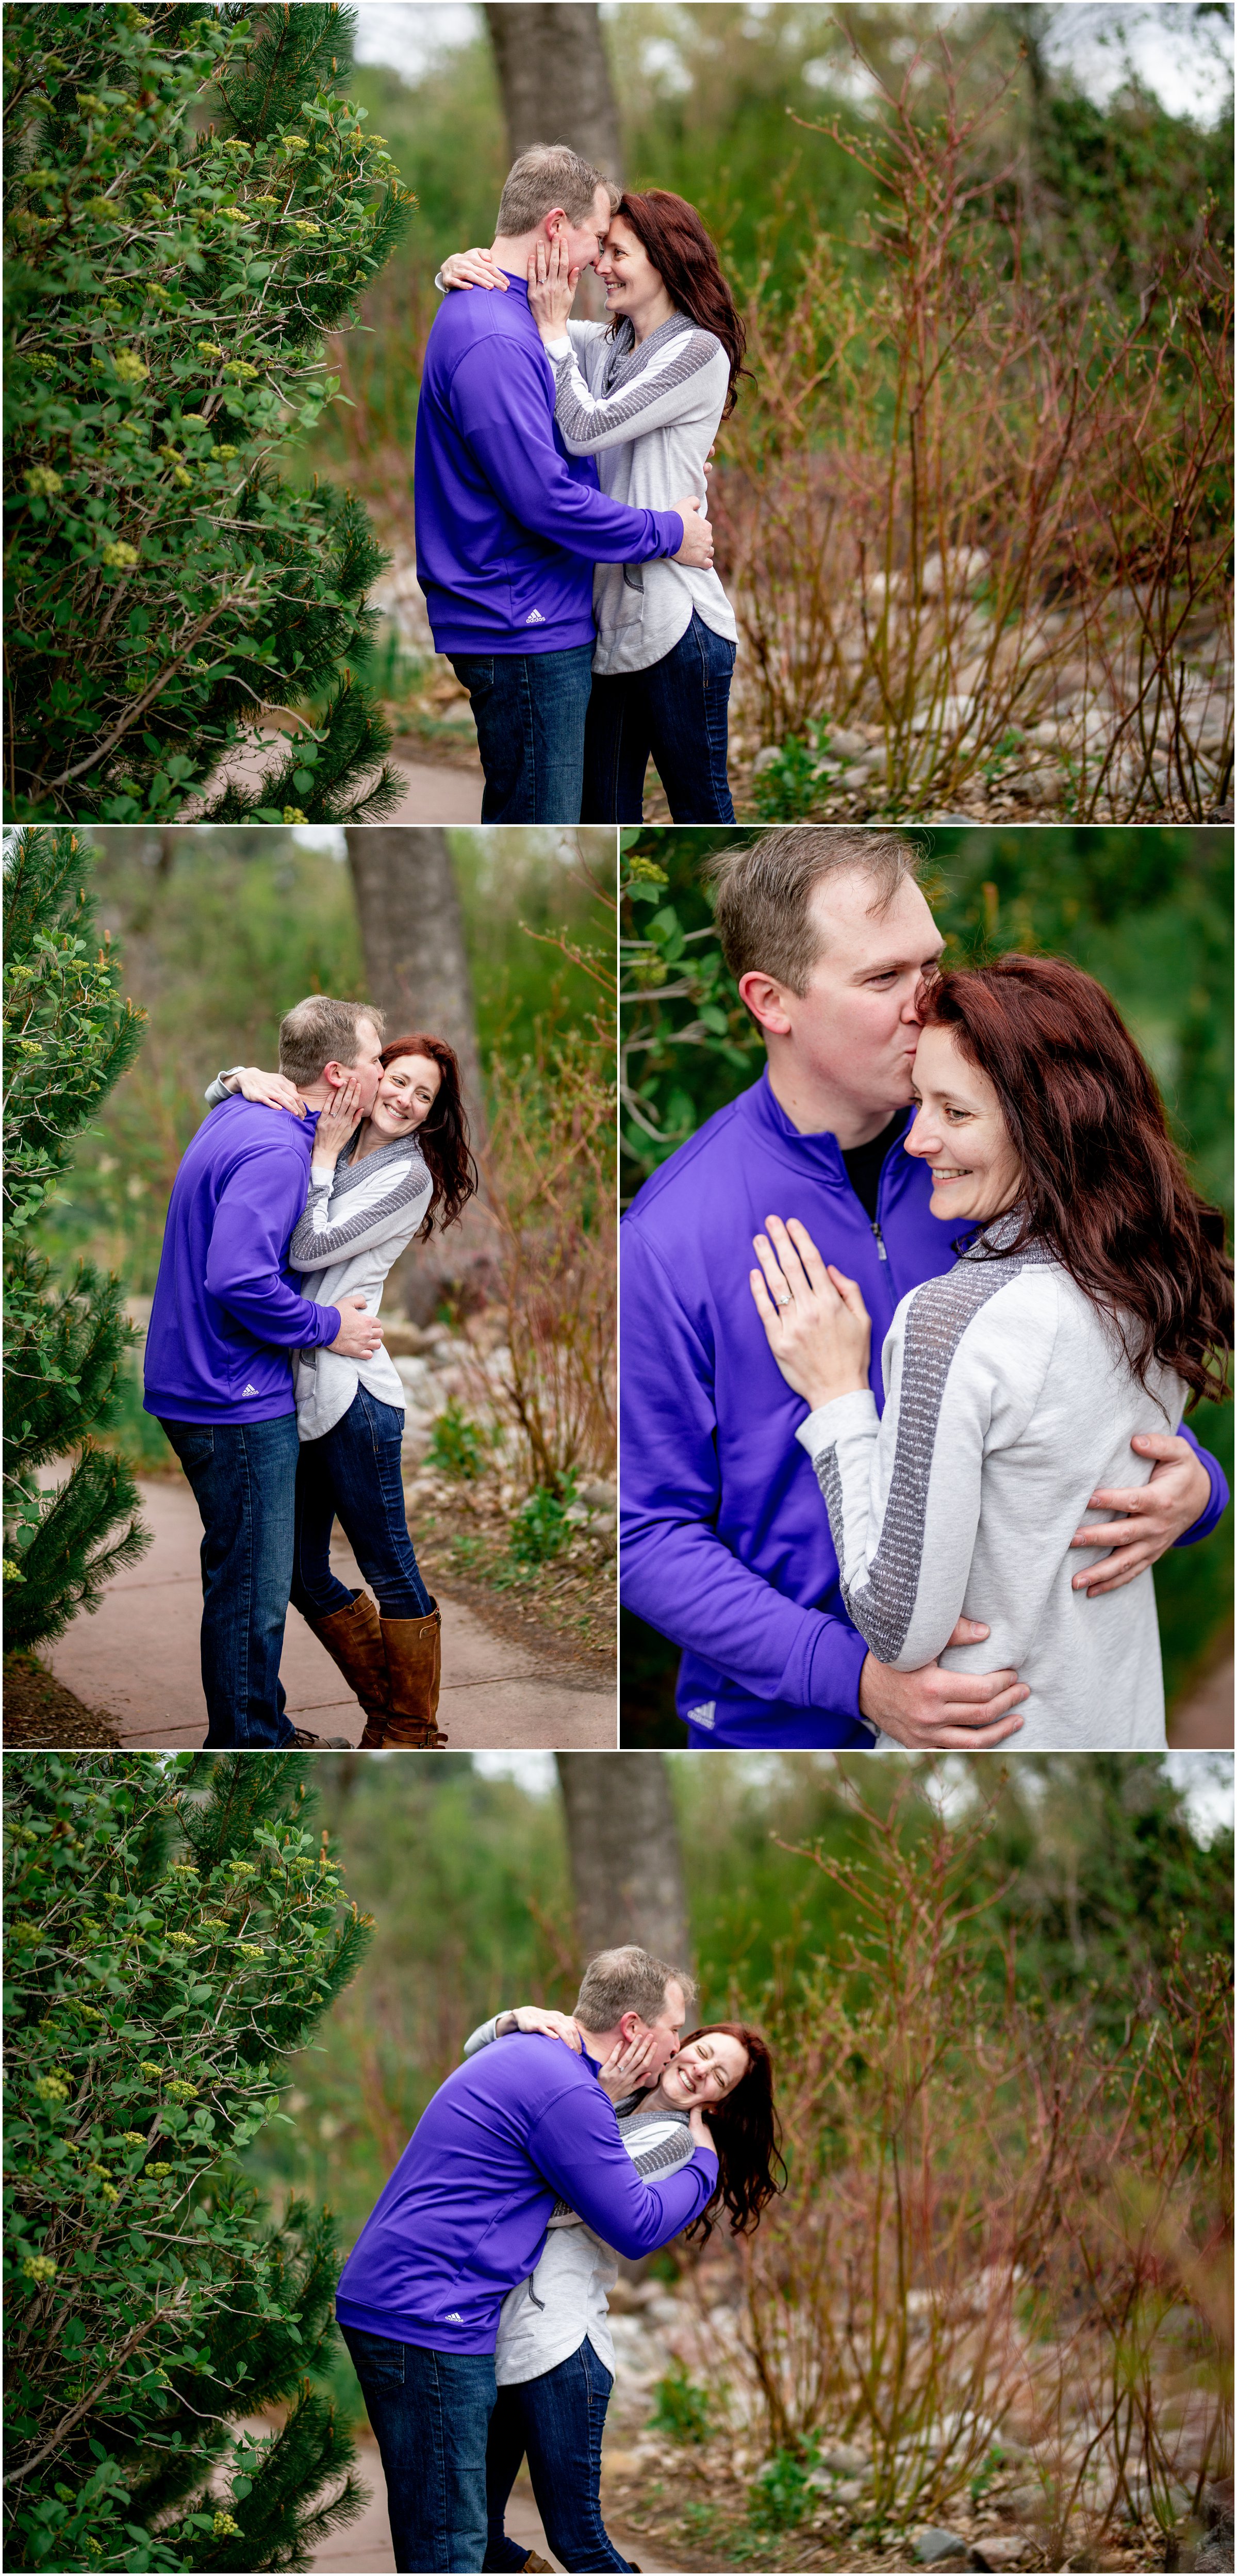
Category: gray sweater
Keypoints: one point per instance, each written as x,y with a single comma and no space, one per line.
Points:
1006,1397
649,415
564,2302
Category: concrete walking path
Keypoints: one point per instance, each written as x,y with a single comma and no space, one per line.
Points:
138,1659
435,791
364,2547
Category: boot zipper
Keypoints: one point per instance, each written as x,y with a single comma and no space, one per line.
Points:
880,1241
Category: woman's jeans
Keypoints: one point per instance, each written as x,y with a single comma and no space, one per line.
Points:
430,2412
558,2420
243,1476
352,1474
674,713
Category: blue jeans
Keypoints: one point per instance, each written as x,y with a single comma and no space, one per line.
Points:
558,2420
353,1473
243,1476
674,713
430,2412
529,710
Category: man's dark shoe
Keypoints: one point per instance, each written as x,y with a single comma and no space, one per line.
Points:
302,1738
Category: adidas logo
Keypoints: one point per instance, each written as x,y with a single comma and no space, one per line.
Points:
247,1390
534,618
453,2317
705,1715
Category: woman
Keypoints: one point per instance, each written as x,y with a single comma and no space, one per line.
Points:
645,395
374,1183
1090,1301
554,2359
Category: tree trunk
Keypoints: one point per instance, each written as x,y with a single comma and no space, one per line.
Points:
626,1864
555,81
416,963
416,968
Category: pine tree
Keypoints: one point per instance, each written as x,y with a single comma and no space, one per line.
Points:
69,1036
173,1932
191,203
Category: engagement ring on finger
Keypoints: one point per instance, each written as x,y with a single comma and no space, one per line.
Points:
783,1295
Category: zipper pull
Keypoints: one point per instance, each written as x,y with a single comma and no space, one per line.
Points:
880,1241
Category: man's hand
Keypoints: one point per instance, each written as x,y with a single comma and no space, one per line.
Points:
699,2127
932,1710
359,1332
270,1090
1156,1514
697,546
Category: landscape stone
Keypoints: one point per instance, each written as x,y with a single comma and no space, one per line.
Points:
930,2548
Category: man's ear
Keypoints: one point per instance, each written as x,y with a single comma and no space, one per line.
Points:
766,1000
629,2024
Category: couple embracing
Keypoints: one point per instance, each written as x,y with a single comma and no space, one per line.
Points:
265,1365
562,540
909,1331
474,2302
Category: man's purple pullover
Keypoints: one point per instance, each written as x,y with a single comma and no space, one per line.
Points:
463,2217
509,526
726,1547
226,1317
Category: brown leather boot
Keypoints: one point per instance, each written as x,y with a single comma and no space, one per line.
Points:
353,1640
414,1671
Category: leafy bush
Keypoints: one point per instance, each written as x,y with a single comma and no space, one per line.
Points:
1003,2218
682,2409
541,1528
68,1038
456,1445
171,1933
190,205
982,508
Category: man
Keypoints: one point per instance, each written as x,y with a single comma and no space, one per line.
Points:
463,2218
509,526
726,1547
225,1322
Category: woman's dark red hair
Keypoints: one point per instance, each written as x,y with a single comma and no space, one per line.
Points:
745,2131
687,263
443,1136
1103,1185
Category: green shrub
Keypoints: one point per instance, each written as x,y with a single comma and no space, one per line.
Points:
190,205
456,1444
172,1933
68,1038
541,1528
682,2410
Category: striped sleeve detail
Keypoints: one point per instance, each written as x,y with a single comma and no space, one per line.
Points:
351,1211
665,389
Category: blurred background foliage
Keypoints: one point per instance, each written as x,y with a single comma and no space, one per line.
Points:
466,1873
1148,912
727,104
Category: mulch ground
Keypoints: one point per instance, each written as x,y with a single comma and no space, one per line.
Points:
38,1710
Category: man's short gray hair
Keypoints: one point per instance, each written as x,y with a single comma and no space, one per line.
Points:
628,1980
763,893
320,1031
549,175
